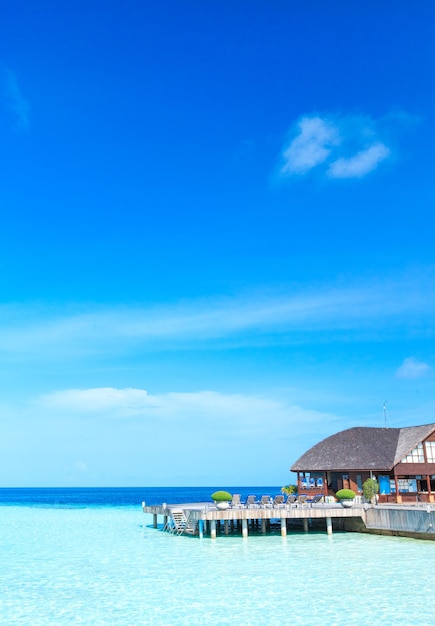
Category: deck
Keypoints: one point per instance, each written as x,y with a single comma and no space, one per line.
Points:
204,518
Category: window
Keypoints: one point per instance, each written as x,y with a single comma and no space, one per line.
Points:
416,455
359,482
430,451
407,485
421,484
412,485
403,484
305,479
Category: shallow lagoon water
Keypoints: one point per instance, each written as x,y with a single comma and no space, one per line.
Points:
107,565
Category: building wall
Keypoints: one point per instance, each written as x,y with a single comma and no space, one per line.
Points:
414,469
347,480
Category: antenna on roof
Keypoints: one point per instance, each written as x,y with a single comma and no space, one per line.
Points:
385,412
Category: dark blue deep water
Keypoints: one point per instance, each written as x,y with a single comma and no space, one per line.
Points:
119,496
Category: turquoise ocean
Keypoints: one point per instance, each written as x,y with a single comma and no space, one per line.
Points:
91,557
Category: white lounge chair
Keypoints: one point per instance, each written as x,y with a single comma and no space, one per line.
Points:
278,501
265,502
235,502
252,502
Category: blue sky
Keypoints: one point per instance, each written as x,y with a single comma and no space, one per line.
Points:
216,242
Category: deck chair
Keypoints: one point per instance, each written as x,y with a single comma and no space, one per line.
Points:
291,500
302,500
317,498
278,501
235,502
265,502
252,502
319,483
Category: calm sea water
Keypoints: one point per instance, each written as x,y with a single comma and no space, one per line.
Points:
90,556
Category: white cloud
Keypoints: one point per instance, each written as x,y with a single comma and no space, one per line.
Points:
230,415
360,164
347,146
125,401
310,147
107,436
15,103
411,368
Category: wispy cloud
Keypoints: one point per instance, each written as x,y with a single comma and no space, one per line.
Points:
311,146
374,311
101,435
103,399
346,146
361,164
412,368
234,413
15,104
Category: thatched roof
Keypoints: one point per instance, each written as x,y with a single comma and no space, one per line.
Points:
362,448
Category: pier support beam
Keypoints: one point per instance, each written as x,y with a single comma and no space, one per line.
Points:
226,527
263,526
201,528
213,529
154,520
244,528
305,521
283,527
329,525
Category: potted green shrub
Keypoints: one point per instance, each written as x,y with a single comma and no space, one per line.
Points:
345,497
370,489
221,499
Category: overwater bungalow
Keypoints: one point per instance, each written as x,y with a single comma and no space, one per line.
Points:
402,460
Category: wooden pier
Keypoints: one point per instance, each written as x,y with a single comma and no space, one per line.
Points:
204,518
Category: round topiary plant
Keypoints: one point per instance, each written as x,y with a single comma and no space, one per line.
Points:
221,496
345,494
